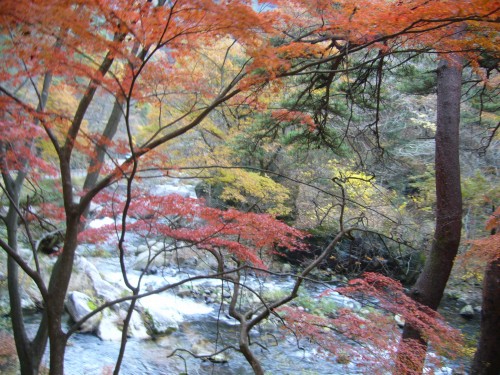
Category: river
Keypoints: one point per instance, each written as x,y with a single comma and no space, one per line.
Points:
201,323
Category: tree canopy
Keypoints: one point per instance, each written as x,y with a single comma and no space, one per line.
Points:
311,112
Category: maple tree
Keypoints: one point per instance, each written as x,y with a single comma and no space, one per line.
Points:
128,49
141,53
372,336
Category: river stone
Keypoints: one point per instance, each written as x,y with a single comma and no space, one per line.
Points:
156,248
108,327
161,322
141,249
78,305
142,260
137,329
344,302
185,257
31,298
467,312
162,190
206,348
286,268
399,320
87,277
183,293
29,302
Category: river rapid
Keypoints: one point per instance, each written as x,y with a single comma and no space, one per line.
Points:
203,322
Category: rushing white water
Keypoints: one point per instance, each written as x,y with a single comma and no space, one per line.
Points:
99,223
199,321
175,306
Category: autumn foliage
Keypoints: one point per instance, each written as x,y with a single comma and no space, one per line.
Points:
61,57
482,250
371,338
488,248
246,236
417,22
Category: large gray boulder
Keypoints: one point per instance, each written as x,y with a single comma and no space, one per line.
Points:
137,329
111,326
108,327
78,305
467,312
208,349
160,322
181,255
87,278
150,260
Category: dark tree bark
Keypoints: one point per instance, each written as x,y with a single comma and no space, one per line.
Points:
487,358
431,283
95,165
58,286
108,134
61,274
30,352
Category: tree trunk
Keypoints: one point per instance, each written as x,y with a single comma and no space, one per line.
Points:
487,358
123,344
58,286
431,283
58,341
95,164
30,353
16,312
247,352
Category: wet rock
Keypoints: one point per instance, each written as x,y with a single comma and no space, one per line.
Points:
147,261
160,322
345,302
208,300
452,294
207,349
185,293
108,327
51,243
30,299
152,270
141,249
27,254
399,320
286,268
163,190
78,305
191,257
86,277
270,326
467,312
137,329
185,257
219,358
